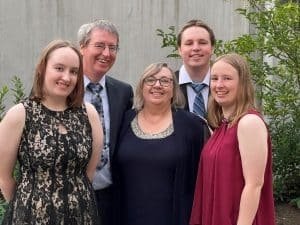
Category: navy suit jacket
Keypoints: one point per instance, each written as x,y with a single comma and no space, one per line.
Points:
120,99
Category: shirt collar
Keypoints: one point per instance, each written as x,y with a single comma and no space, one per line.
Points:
86,81
184,77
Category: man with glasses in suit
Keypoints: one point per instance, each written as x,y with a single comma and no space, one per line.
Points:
99,45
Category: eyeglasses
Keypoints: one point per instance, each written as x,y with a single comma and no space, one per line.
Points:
163,81
101,46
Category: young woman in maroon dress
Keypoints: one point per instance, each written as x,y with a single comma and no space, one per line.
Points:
234,183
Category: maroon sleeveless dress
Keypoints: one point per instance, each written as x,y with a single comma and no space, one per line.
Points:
220,182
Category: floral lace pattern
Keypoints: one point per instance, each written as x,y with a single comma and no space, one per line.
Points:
54,151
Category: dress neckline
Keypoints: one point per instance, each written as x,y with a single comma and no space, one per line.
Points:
44,107
139,133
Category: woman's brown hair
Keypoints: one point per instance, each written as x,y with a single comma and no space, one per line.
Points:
75,99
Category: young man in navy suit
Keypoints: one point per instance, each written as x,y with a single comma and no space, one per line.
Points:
99,45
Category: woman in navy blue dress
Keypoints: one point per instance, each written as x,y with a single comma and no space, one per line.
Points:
159,147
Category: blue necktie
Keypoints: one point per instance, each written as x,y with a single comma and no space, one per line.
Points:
199,106
96,89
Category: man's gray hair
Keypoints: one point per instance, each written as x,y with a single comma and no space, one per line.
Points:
84,32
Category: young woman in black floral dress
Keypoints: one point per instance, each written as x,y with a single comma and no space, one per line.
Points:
56,139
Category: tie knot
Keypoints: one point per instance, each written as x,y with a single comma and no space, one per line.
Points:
96,88
198,87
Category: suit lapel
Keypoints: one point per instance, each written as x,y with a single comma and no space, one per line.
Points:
111,95
183,88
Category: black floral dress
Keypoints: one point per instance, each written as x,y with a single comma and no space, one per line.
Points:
53,187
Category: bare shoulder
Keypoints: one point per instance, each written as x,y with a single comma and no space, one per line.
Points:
16,114
251,123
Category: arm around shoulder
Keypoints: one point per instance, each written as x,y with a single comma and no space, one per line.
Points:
201,127
11,129
97,136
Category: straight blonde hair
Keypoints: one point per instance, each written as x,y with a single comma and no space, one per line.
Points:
245,92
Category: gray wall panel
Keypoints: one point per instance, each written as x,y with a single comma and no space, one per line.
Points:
28,25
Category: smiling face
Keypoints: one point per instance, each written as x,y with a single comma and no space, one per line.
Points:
196,47
98,60
158,92
224,85
61,73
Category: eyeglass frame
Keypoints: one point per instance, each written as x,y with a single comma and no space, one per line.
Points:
113,49
146,81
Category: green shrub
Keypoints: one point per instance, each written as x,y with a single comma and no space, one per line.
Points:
2,209
277,40
3,92
18,92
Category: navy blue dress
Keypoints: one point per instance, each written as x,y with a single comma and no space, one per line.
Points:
156,177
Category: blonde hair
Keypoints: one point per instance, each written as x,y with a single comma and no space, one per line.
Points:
245,92
177,101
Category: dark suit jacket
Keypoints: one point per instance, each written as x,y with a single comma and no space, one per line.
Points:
184,92
120,98
183,88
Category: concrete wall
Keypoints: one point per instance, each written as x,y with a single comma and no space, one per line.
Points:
26,26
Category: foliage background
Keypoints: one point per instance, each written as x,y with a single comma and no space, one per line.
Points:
17,90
